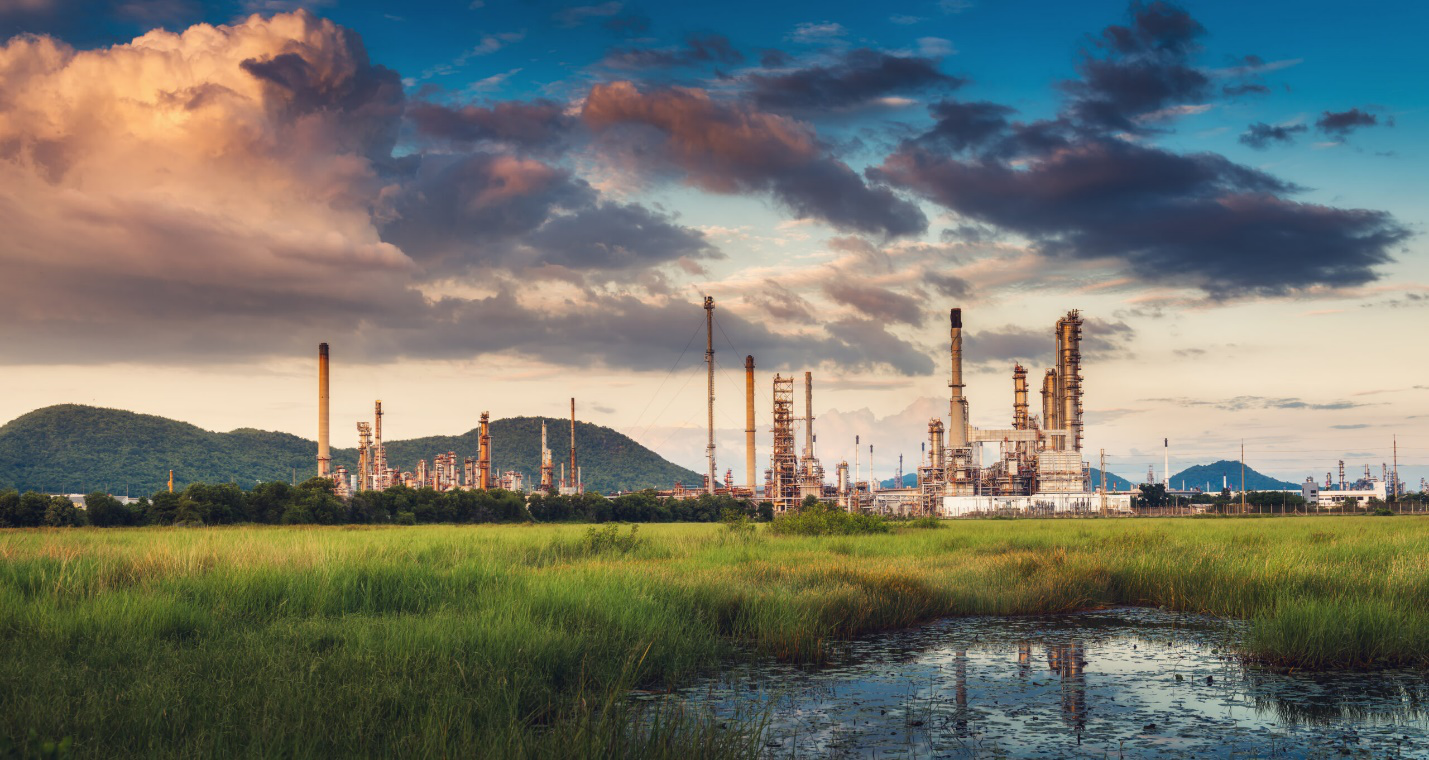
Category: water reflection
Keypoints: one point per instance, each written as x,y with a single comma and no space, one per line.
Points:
1118,683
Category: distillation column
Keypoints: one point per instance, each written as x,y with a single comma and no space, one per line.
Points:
749,422
324,454
1069,340
379,454
957,403
1019,398
483,452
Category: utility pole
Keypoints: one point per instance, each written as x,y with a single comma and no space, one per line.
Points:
709,360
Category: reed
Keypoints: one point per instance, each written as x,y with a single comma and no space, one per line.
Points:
522,641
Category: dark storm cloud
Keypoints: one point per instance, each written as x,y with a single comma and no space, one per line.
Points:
730,148
1195,219
616,236
533,125
490,210
698,49
1134,70
858,78
1341,124
1260,135
877,303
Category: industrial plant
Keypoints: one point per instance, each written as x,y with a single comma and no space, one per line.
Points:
1037,465
374,473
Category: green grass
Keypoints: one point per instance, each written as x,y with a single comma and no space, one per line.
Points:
520,640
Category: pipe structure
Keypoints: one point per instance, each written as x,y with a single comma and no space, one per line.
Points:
324,454
575,473
749,422
1019,397
483,452
957,403
709,362
1049,402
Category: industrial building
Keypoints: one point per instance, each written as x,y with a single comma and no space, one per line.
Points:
1038,466
442,472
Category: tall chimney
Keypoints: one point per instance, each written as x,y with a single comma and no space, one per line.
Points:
749,421
324,454
957,404
575,474
1019,397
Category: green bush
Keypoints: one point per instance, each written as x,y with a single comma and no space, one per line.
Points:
821,519
923,523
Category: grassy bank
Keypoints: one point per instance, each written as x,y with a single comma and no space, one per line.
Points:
446,640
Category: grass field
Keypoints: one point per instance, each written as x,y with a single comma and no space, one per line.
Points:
519,640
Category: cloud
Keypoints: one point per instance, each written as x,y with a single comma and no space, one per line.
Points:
1196,220
1249,88
533,125
733,148
1243,403
810,32
1139,68
876,302
1101,339
1260,135
1341,124
577,15
856,79
697,49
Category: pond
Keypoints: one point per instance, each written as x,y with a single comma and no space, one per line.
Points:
1112,683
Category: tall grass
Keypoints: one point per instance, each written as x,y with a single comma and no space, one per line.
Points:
521,641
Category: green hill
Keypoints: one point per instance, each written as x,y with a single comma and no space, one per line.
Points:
77,449
1201,474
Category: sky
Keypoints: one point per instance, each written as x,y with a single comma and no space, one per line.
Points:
498,206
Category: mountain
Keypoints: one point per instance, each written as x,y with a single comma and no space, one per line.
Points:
1203,474
73,448
1113,482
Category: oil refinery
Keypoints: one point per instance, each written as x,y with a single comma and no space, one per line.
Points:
1037,466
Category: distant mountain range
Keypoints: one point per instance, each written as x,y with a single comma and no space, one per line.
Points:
1203,475
73,448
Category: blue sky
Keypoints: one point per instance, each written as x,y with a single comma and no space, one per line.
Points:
532,193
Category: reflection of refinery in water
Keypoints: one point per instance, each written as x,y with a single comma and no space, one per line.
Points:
1038,465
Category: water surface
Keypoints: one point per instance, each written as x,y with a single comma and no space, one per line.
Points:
1113,683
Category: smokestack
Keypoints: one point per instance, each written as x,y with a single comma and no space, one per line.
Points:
749,421
1019,397
1166,466
957,404
324,454
575,474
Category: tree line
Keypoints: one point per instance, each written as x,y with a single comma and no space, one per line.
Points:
313,502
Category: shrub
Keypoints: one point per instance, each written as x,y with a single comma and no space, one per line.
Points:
608,540
738,525
923,523
820,519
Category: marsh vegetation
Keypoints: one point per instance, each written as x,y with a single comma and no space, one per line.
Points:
522,640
